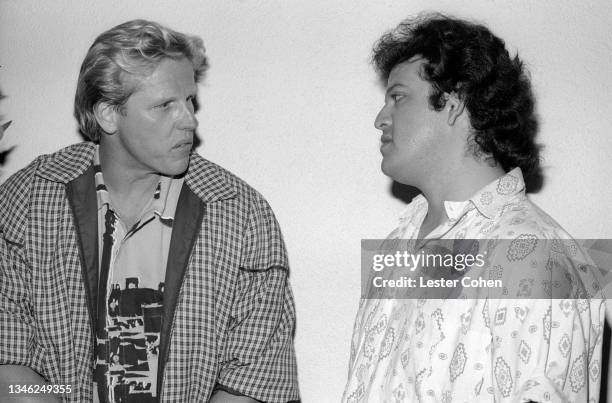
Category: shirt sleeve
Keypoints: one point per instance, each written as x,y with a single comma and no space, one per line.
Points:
259,358
547,346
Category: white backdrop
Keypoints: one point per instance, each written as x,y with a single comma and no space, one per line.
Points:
289,105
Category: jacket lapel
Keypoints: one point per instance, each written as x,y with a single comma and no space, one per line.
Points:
81,194
185,229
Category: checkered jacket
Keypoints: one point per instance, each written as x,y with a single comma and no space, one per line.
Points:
229,314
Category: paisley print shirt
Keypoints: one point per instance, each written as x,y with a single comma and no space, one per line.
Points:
485,350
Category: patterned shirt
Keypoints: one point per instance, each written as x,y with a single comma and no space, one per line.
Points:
128,340
484,350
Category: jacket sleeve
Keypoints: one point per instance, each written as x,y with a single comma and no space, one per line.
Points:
259,358
16,313
16,319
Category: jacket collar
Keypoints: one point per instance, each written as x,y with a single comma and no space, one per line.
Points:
207,180
68,163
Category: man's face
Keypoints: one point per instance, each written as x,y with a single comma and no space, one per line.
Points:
411,141
155,127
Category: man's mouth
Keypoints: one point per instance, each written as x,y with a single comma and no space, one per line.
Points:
386,138
183,145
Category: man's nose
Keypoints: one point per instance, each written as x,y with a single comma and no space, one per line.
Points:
383,119
188,119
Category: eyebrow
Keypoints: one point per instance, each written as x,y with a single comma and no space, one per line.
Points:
162,100
166,98
393,87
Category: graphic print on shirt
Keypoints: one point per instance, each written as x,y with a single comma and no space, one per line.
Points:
127,358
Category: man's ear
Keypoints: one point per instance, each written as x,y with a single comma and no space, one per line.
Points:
106,116
454,106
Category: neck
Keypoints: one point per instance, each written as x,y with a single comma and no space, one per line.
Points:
130,189
456,183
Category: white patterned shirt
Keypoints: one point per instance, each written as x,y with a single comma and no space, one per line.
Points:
485,350
127,349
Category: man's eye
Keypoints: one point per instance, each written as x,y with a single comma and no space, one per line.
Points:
193,99
165,105
396,97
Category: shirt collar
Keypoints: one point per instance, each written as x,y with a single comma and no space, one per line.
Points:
101,190
166,197
489,201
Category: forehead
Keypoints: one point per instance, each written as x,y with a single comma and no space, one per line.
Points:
167,75
407,73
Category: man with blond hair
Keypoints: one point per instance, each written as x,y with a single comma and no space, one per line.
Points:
132,269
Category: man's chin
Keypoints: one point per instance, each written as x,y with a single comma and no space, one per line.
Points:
176,169
396,174
387,168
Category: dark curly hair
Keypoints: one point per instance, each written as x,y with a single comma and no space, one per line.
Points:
467,59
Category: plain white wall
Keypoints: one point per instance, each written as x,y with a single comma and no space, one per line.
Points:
289,105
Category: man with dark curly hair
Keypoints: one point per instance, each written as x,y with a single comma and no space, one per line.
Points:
458,124
131,268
